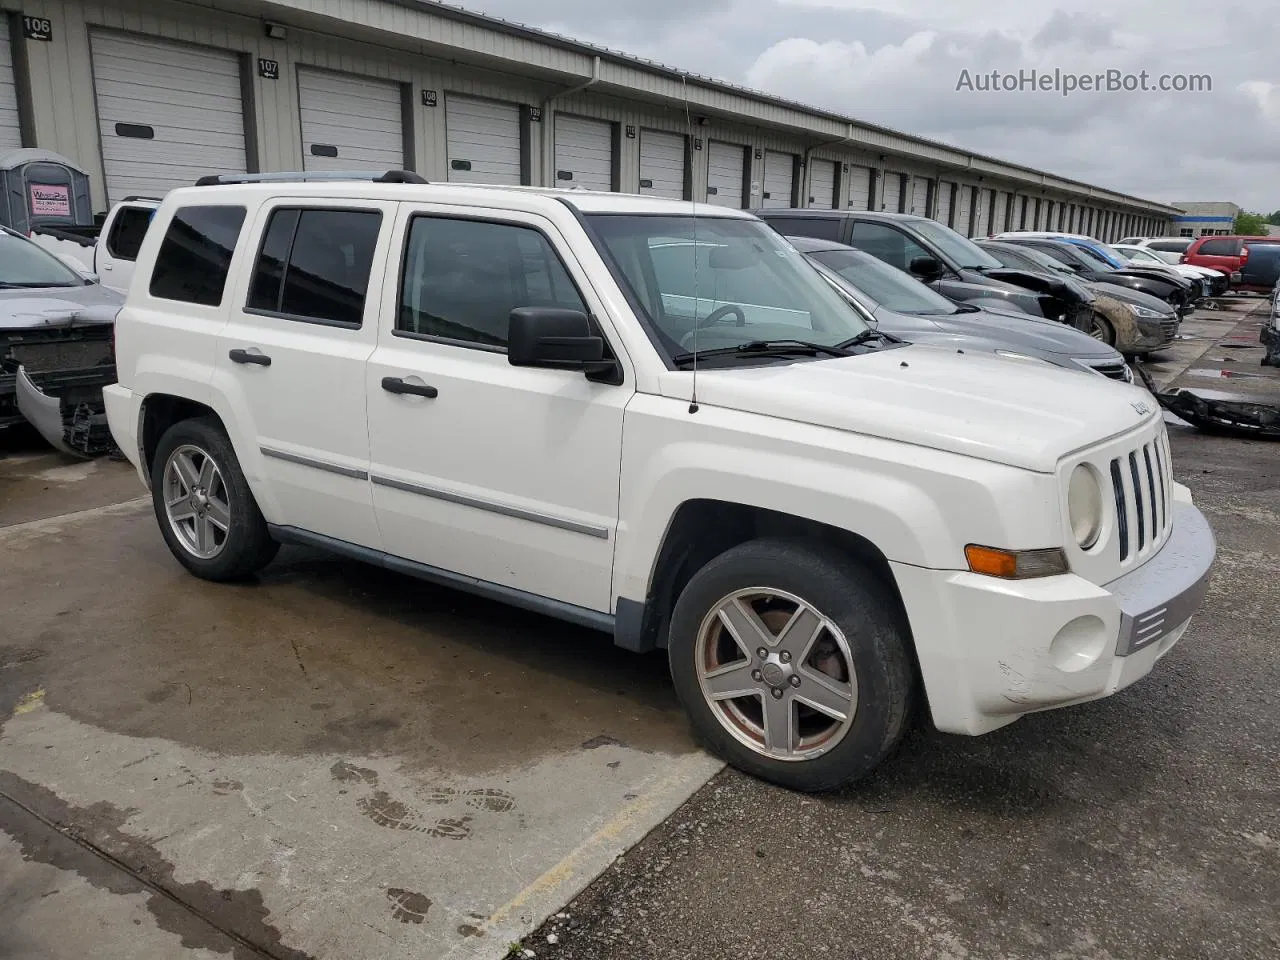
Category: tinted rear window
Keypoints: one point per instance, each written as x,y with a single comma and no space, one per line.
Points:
195,254
128,231
820,228
1220,248
315,265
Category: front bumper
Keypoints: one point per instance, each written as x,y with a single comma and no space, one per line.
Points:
1156,333
993,650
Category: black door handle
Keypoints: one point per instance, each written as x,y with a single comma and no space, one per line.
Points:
396,385
244,356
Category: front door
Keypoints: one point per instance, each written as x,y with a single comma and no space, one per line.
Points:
291,360
503,474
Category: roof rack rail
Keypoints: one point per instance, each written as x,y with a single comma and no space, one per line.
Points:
134,197
387,176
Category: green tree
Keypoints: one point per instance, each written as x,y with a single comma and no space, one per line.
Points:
1250,224
1274,218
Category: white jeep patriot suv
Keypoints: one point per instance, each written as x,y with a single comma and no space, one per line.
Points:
657,420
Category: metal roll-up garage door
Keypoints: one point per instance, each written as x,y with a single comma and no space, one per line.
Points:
980,213
859,187
662,163
168,113
945,191
482,140
10,129
726,165
350,123
891,191
779,179
919,197
584,153
823,176
964,210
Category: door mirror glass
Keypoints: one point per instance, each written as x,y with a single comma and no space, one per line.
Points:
553,337
927,268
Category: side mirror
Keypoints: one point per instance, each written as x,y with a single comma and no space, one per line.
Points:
927,268
555,338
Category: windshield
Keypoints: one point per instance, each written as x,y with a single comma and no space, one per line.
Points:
1028,258
884,284
24,264
739,281
964,252
1100,254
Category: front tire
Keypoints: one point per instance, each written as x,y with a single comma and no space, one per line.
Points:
1100,329
206,511
792,663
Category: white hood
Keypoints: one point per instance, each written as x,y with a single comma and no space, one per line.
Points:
1015,412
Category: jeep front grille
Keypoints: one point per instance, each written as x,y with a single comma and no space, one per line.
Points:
1142,485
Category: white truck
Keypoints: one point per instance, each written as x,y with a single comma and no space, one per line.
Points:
107,253
658,420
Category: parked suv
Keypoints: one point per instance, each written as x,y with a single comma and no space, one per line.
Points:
661,423
1228,254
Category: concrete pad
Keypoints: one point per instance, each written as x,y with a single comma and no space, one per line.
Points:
330,762
45,483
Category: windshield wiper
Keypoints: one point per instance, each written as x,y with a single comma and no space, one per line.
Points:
866,336
764,348
5,285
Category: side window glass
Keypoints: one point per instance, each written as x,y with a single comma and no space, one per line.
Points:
195,255
1218,248
820,228
462,279
128,231
314,265
885,243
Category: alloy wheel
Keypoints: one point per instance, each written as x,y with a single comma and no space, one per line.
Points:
196,501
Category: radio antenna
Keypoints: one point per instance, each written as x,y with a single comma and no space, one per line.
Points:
697,299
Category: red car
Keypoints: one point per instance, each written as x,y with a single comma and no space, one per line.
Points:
1222,253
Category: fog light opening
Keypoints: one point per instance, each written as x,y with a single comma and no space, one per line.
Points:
1079,644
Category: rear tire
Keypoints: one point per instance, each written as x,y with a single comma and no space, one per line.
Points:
835,646
206,511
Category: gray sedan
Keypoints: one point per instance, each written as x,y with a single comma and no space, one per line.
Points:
55,347
905,308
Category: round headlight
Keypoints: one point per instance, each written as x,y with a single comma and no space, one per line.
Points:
1084,505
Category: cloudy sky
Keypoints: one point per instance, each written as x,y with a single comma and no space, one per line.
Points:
898,62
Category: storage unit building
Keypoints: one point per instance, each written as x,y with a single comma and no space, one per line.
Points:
891,185
946,197
350,123
168,113
919,196
483,143
585,153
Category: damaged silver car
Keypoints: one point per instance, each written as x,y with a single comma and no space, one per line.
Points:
56,351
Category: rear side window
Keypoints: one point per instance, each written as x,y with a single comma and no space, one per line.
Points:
1169,246
314,265
127,232
820,228
195,254
1220,248
462,279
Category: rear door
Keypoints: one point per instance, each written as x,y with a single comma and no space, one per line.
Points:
116,253
292,359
